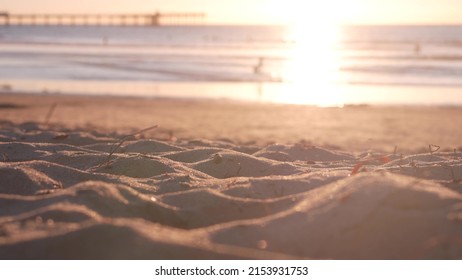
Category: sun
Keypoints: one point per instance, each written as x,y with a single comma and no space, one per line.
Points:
312,66
312,70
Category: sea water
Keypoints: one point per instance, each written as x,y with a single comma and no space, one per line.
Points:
318,66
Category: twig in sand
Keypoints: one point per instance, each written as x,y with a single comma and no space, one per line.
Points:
396,150
228,175
239,170
121,141
171,136
5,156
356,168
454,180
433,149
453,175
50,112
374,160
61,136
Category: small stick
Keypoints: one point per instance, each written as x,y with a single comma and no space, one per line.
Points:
5,156
430,148
121,141
396,149
356,168
453,175
50,112
454,180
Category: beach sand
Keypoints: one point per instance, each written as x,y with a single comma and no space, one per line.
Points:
227,180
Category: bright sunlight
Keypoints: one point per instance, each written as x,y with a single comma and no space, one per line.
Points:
312,67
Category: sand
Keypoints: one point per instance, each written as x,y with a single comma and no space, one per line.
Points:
224,180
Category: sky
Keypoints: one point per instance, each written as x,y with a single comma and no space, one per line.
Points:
264,11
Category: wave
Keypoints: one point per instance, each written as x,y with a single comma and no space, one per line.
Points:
413,57
365,55
404,84
426,70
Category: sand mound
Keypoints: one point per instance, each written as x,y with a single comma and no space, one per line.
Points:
388,216
280,186
193,155
71,198
229,164
117,239
17,179
205,207
301,152
136,167
149,146
108,200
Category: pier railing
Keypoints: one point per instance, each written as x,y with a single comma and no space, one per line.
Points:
155,19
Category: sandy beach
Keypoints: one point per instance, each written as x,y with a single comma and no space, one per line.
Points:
80,179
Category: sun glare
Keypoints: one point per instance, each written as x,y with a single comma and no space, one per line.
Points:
313,63
312,66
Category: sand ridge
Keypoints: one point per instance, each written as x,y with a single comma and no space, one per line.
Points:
62,196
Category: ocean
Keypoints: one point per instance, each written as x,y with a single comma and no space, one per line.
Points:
405,65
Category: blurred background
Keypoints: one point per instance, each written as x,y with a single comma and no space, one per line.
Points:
324,53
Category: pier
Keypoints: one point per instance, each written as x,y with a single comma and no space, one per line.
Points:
155,19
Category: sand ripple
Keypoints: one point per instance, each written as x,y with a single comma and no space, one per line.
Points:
62,196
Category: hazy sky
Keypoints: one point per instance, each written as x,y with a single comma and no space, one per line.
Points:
265,11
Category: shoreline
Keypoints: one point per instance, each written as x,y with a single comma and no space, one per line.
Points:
58,94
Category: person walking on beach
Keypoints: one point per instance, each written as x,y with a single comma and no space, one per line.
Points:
257,68
417,49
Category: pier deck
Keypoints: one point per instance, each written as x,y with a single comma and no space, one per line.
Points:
155,19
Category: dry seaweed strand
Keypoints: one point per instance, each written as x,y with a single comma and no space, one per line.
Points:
450,168
374,160
454,180
356,168
5,157
114,148
433,149
50,112
228,175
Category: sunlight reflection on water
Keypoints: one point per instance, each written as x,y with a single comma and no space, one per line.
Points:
313,64
312,67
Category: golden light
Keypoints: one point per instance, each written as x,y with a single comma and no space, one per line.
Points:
312,68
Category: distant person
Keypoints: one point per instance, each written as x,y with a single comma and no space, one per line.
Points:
257,68
417,48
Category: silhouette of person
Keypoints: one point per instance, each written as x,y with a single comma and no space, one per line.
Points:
257,68
417,48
